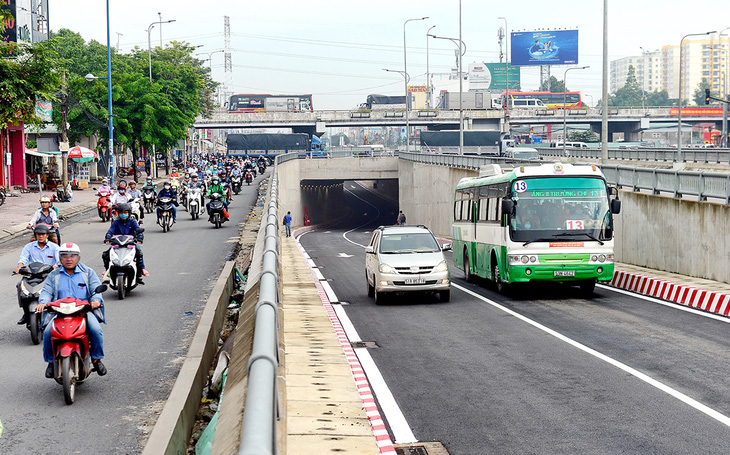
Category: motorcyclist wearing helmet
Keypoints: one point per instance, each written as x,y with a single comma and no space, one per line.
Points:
174,173
125,225
216,187
76,280
121,196
167,191
134,193
45,215
150,185
39,250
104,187
236,170
196,183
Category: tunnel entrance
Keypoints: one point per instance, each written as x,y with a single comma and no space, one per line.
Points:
350,203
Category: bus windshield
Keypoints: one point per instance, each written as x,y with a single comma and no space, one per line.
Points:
560,209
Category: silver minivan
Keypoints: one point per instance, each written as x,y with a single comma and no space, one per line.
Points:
402,259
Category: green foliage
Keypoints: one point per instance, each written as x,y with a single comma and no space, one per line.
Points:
628,95
657,99
699,94
27,71
555,85
583,136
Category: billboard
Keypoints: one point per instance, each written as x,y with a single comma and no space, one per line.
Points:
486,76
697,111
544,47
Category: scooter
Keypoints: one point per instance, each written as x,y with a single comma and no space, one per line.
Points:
165,219
236,183
195,202
128,171
29,289
149,196
104,206
216,210
249,177
122,266
70,340
136,212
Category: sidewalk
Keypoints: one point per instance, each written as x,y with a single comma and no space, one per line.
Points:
17,211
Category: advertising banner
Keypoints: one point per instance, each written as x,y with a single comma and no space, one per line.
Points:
486,76
10,35
44,109
544,47
697,111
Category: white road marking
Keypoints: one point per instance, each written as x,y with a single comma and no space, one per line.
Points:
344,235
330,293
393,415
344,255
676,306
636,373
318,274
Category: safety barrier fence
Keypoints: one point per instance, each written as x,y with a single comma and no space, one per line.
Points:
670,155
258,431
677,183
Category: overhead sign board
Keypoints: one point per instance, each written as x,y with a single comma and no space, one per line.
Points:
486,76
544,47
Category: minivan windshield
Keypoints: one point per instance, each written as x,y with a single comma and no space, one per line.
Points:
421,242
526,155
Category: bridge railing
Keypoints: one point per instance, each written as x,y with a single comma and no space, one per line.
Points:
703,185
691,155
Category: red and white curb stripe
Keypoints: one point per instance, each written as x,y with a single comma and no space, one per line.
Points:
382,438
711,301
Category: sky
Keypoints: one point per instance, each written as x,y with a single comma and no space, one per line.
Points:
336,50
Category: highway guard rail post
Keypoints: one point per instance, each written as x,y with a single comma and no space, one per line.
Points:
258,431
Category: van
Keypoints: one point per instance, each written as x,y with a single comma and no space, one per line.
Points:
528,103
522,153
578,145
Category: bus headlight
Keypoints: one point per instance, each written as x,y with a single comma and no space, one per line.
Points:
594,258
602,258
442,267
524,259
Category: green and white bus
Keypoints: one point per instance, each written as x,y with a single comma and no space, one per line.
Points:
549,222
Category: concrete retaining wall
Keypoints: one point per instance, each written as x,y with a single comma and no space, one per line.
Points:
675,235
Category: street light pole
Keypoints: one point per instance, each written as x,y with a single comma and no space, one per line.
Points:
565,87
405,71
109,102
506,66
680,157
604,87
462,51
407,79
723,143
643,72
428,73
153,160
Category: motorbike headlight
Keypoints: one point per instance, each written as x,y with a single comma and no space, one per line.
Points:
385,268
442,267
24,289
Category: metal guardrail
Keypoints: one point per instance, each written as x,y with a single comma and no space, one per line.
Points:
258,431
703,185
691,155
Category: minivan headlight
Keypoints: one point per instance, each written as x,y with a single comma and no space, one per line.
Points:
442,267
385,268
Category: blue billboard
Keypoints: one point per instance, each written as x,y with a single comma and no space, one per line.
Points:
544,47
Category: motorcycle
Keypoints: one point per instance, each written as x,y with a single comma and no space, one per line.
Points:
216,210
175,183
165,219
249,177
183,192
104,205
136,212
236,183
262,169
70,341
122,267
29,289
195,202
128,171
149,196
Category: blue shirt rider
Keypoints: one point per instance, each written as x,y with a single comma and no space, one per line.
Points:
168,192
79,281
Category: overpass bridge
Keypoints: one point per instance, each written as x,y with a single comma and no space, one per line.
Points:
629,121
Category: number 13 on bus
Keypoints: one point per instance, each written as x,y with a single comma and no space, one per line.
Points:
551,222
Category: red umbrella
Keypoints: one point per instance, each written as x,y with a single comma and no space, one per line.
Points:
82,154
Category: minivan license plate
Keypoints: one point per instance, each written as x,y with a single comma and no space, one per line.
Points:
564,273
415,281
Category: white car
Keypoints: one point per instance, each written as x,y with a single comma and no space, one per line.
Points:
402,259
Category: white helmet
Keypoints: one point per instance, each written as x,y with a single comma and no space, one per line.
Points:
69,248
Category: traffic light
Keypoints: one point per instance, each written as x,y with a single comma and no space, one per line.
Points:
707,96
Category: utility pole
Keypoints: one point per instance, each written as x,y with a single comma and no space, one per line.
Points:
64,136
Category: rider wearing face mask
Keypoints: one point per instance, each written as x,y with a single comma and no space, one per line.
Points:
125,225
167,191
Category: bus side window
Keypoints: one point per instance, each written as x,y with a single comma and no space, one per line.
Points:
483,209
457,210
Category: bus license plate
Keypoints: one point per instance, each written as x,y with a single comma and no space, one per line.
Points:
415,281
564,273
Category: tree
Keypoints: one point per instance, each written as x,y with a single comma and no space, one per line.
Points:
699,93
628,95
657,98
555,85
583,136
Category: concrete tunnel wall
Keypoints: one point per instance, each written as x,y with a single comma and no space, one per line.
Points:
660,232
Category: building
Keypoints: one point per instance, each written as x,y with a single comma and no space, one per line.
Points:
659,69
30,25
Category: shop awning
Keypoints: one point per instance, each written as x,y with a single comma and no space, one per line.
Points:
35,152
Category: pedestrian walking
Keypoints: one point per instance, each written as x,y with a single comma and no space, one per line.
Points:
401,218
287,223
